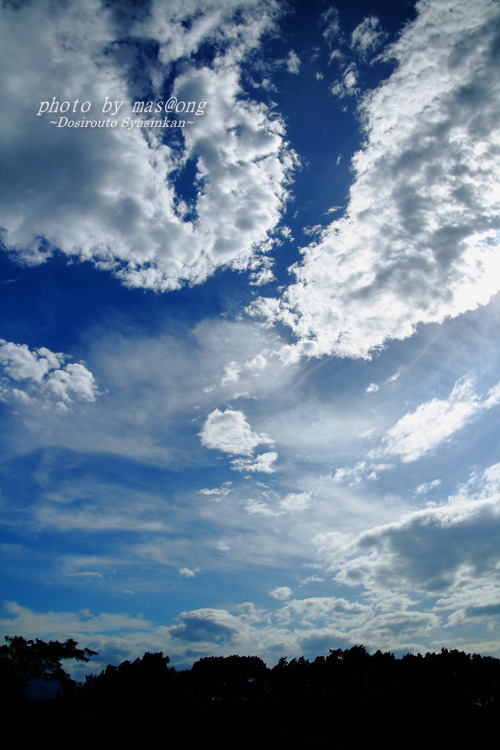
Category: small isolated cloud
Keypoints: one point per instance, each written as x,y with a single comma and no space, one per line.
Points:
188,572
350,78
43,375
293,62
229,431
217,492
434,422
281,593
368,35
347,86
263,463
374,387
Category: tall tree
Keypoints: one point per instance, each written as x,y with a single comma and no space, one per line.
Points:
24,660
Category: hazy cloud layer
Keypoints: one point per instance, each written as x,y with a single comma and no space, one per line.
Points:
418,242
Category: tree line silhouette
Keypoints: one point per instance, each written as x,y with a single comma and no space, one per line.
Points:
343,682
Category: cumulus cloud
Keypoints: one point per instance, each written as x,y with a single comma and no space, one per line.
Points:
212,625
317,609
42,374
281,593
443,550
229,431
262,463
418,242
114,198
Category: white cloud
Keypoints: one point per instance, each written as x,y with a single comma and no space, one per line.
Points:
434,422
293,62
42,374
67,624
281,593
444,550
296,502
418,242
209,625
355,474
347,86
367,36
230,432
113,197
234,370
188,572
262,463
331,21
260,508
314,609
426,487
374,387
217,492
93,518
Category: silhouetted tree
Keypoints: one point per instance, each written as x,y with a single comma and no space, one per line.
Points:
146,681
235,683
24,660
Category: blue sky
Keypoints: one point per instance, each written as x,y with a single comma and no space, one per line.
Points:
249,382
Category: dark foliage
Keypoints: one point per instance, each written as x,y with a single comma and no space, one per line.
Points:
22,661
144,682
346,683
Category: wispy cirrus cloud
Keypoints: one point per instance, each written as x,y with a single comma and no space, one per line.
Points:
421,431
